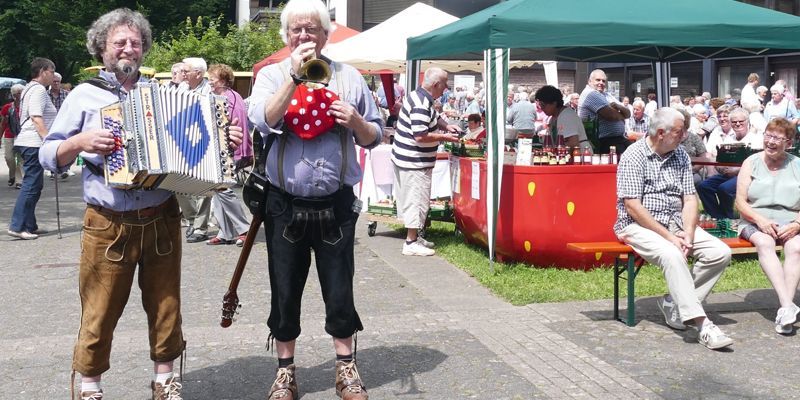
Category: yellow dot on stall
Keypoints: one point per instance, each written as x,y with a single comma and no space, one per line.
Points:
570,208
598,255
527,246
531,188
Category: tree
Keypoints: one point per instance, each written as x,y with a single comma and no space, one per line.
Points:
240,48
56,29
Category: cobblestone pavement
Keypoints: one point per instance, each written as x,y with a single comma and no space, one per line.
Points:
431,331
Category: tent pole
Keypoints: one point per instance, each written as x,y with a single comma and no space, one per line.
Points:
661,75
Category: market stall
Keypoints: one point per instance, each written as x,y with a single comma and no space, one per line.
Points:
594,31
560,204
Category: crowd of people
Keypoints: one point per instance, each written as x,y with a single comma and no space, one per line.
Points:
310,206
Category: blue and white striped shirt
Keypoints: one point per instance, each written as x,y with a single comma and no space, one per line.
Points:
417,118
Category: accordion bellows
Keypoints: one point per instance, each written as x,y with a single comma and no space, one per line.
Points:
169,139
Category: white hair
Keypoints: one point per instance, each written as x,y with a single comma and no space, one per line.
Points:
699,109
664,119
777,88
196,63
304,8
433,75
17,88
57,75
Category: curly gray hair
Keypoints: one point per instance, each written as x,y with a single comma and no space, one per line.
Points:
97,35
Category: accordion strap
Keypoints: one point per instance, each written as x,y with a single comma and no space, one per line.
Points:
102,84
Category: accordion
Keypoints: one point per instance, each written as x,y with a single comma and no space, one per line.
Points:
169,139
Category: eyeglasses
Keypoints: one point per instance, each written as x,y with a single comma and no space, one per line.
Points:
310,30
120,44
774,139
737,122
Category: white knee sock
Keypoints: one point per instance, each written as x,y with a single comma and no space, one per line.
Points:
163,378
91,386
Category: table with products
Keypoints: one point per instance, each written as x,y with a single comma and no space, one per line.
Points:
542,208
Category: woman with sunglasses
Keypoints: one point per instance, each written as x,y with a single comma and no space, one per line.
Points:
768,199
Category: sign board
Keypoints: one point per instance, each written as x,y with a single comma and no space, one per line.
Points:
638,87
467,81
673,82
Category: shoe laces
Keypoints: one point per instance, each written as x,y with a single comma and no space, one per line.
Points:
173,390
349,373
94,396
711,331
283,376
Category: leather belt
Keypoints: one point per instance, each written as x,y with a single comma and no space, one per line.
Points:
142,213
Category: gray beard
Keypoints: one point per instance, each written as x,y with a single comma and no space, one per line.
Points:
125,68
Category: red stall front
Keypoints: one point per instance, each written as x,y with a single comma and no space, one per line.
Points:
542,208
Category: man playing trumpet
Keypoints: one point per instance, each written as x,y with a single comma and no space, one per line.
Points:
312,168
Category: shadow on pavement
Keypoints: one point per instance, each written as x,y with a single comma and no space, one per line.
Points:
251,377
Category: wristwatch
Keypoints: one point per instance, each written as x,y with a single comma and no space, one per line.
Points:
297,81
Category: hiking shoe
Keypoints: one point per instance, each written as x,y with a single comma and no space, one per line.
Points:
785,318
424,242
348,382
285,386
92,395
713,338
417,249
23,235
170,391
671,315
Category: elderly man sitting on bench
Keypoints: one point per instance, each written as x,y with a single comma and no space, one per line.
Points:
656,216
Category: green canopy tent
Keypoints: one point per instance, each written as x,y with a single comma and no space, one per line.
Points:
597,31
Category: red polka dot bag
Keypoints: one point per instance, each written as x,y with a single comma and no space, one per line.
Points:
308,115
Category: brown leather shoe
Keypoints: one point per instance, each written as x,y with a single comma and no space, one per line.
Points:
348,382
170,391
284,387
92,395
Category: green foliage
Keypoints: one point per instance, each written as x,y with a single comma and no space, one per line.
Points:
239,48
522,284
56,29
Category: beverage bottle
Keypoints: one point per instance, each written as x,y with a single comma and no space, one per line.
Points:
576,156
537,156
562,154
612,154
587,156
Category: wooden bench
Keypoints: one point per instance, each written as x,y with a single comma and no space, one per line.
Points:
626,260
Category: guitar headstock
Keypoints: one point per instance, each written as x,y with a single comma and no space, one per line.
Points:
230,307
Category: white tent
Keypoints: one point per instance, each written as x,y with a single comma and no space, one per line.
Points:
382,48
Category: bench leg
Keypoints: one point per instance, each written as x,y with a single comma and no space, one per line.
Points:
632,272
617,271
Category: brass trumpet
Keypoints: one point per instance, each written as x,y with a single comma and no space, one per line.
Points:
315,73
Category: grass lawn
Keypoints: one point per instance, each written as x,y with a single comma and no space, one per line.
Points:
523,284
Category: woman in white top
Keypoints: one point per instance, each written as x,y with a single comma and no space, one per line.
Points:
564,121
37,113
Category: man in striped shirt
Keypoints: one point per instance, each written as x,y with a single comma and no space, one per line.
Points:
414,155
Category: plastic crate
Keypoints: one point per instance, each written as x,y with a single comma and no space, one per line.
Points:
724,229
382,209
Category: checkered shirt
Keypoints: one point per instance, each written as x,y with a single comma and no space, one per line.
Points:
59,99
632,125
658,182
594,102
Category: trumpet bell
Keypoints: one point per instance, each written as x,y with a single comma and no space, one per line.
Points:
315,71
